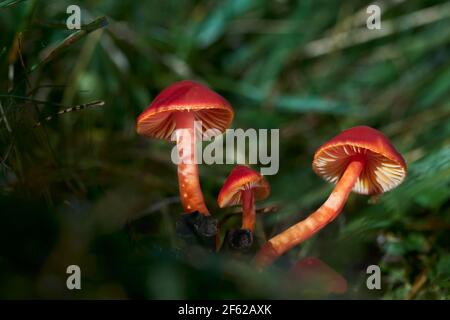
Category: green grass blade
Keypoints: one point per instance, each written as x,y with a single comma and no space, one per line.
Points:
71,39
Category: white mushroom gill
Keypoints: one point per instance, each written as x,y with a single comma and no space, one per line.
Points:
380,174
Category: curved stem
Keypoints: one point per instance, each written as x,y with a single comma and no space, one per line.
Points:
248,210
190,192
301,231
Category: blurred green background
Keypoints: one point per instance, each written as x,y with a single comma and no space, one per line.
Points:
85,189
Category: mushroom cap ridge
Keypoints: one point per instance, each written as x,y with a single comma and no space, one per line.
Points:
158,119
384,167
242,178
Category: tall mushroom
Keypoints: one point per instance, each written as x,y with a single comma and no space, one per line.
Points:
360,159
178,107
244,186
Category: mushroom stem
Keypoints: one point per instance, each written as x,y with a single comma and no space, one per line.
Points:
190,192
248,210
306,228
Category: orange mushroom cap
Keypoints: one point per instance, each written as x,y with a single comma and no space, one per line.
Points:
242,178
312,272
384,167
158,119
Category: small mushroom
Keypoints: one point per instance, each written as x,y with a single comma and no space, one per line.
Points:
177,107
243,186
316,276
360,159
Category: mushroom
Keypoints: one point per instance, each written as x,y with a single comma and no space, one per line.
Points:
360,159
178,107
243,186
316,276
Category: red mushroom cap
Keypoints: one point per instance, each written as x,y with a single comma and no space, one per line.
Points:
158,119
313,273
384,167
242,178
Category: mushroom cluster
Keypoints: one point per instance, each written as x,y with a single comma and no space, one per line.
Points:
360,159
